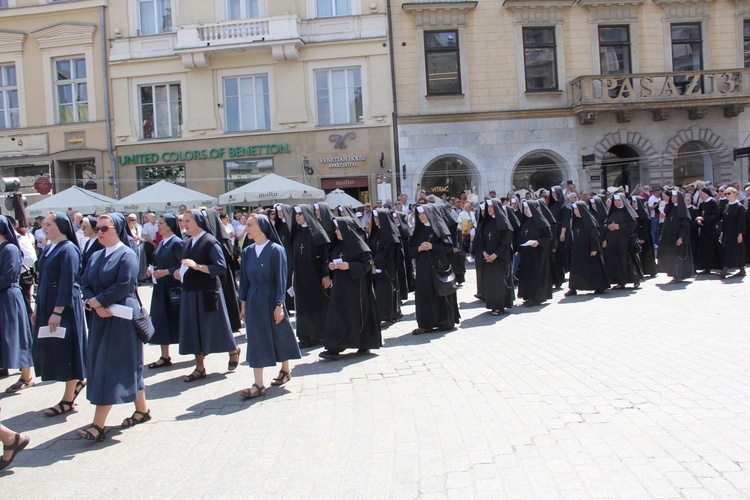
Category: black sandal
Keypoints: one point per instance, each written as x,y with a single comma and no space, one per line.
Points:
248,393
282,379
193,377
17,446
20,385
80,385
59,409
132,421
420,331
234,364
89,436
164,362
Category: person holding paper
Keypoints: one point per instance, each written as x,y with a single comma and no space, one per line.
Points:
270,336
60,356
534,245
384,243
587,271
204,322
620,261
15,332
115,353
165,312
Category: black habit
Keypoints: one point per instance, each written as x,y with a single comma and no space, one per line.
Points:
587,272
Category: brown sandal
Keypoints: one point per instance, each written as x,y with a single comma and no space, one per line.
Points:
20,385
282,378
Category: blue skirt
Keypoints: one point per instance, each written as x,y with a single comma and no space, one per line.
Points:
201,331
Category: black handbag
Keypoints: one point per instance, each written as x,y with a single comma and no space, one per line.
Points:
143,326
175,295
211,300
444,280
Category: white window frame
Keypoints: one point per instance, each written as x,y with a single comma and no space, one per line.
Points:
243,127
139,23
312,9
224,14
74,82
139,128
359,119
4,97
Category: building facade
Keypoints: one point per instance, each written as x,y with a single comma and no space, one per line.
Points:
212,94
533,93
53,108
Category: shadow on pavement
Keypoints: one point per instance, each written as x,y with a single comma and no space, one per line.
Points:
471,305
486,319
672,286
36,417
175,386
176,365
321,366
229,404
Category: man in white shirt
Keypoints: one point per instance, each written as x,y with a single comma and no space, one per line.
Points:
653,204
149,234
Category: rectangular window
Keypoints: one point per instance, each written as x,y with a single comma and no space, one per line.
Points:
155,16
746,36
9,117
243,9
240,172
614,50
71,90
246,102
687,53
338,96
154,173
540,59
442,65
332,8
161,110
3,4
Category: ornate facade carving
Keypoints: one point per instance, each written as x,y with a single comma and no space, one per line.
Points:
439,15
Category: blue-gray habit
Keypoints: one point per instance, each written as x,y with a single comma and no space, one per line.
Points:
115,353
164,314
59,271
15,332
262,286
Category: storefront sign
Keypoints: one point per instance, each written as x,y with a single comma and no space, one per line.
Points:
43,185
343,161
595,177
204,154
344,182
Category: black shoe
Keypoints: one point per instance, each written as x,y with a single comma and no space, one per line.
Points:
304,344
332,355
478,296
4,373
362,352
570,293
598,292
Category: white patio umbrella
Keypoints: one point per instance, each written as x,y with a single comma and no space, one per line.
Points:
270,189
73,198
163,197
338,197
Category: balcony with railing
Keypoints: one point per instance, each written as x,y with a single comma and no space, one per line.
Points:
661,94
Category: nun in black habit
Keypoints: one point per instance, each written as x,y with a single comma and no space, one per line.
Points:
324,214
431,245
557,270
384,243
619,257
643,232
352,317
497,254
477,248
534,244
708,253
229,278
587,271
732,228
600,212
404,270
561,212
675,256
311,279
284,225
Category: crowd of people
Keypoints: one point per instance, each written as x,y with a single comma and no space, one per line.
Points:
343,273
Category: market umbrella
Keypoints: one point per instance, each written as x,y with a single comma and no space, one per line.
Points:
73,198
163,197
271,189
338,197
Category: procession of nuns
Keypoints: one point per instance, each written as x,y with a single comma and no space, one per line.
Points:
343,278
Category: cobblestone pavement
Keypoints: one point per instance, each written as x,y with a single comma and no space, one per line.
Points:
634,394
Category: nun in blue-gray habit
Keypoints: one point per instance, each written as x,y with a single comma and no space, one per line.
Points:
115,353
15,332
166,296
58,304
204,322
270,337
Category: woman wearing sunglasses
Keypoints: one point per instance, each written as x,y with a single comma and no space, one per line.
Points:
115,353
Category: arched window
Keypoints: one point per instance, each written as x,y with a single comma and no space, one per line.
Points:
538,170
451,175
693,162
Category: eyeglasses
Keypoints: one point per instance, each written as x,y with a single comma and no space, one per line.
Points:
102,229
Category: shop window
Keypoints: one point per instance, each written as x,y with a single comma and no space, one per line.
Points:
338,96
155,173
161,110
540,59
442,62
155,16
9,117
240,172
332,8
243,9
71,90
246,102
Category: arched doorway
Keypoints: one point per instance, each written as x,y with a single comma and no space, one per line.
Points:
537,170
621,167
451,175
693,162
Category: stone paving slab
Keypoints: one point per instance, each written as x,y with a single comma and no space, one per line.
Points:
634,394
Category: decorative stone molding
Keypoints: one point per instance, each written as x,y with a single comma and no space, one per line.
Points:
741,8
606,13
11,41
439,14
644,147
733,111
625,115
531,12
681,10
697,113
587,118
661,115
721,154
61,35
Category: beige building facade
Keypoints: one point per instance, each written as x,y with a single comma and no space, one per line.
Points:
213,94
53,109
497,95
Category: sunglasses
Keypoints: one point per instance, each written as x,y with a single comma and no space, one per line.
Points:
102,229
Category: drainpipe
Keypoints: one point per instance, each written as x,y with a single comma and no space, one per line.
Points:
107,112
394,116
